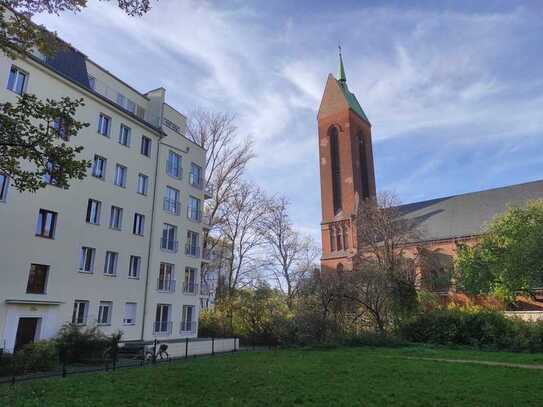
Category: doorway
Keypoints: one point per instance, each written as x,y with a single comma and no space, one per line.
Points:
26,332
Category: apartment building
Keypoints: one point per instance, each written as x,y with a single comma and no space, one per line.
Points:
120,249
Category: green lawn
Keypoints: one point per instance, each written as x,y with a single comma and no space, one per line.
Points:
336,377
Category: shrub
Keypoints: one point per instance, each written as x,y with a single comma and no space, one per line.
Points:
374,339
36,357
79,345
483,329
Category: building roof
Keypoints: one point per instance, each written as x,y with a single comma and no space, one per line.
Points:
467,214
351,99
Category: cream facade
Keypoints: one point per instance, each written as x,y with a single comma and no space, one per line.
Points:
120,254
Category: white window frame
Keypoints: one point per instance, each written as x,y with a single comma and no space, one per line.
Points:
194,209
103,118
125,134
76,311
134,272
99,158
148,143
46,227
138,227
198,183
177,158
110,263
94,209
143,184
103,307
18,72
83,254
121,175
130,313
118,225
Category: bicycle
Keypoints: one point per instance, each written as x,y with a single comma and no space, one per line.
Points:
161,354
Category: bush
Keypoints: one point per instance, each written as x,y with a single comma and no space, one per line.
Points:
77,345
374,340
39,356
483,329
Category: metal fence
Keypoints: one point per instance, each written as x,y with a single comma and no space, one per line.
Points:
135,354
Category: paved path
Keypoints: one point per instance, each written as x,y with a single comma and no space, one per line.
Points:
478,362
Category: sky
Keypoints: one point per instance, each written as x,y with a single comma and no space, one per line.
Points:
453,89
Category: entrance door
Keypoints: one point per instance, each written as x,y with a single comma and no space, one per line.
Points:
26,332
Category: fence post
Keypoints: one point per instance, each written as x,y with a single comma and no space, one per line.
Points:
234,348
63,367
186,348
213,346
154,351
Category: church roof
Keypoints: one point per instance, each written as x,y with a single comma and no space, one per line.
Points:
352,100
467,214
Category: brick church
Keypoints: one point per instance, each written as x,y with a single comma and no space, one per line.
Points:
347,176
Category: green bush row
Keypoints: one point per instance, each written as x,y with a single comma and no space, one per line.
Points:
483,329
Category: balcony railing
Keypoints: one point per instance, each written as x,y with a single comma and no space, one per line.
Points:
173,170
194,214
169,245
162,328
191,250
188,327
190,287
165,285
172,206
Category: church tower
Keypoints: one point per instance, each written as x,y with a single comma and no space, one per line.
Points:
346,169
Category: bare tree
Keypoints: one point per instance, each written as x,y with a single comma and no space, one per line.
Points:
289,255
241,229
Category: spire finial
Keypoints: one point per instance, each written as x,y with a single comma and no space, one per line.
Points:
341,72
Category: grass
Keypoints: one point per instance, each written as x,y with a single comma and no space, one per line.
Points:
339,377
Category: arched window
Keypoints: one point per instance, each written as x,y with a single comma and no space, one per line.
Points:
345,238
332,239
336,172
339,268
339,236
364,177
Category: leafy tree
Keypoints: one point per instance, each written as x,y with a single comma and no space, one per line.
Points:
509,257
33,148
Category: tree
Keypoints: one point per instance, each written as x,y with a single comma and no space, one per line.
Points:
33,148
289,255
18,33
241,229
382,262
508,259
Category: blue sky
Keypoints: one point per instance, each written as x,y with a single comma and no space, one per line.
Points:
454,89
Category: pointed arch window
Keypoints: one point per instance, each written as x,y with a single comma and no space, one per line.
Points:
364,177
336,169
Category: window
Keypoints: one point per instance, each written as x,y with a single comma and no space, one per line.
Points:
116,218
195,175
86,260
17,80
169,238
93,212
130,106
46,224
4,182
104,313
37,279
171,201
129,317
336,172
120,175
120,99
134,267
140,112
62,128
92,82
364,173
192,247
139,222
194,209
110,266
163,326
187,319
99,167
79,315
104,124
145,146
173,165
190,285
143,184
51,175
166,281
124,135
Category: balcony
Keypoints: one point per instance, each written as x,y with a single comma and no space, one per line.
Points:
190,287
172,206
193,251
169,245
188,328
174,170
162,328
209,190
165,286
194,214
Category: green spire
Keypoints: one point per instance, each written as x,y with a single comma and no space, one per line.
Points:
341,72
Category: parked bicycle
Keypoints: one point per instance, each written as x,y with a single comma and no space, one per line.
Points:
162,353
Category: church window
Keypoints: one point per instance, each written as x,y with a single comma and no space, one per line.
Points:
364,178
336,173
332,240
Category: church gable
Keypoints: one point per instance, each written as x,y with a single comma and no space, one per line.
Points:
333,100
